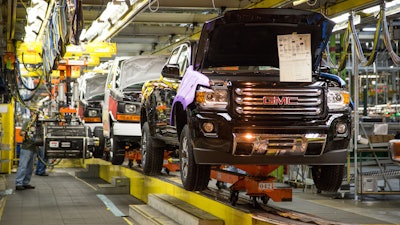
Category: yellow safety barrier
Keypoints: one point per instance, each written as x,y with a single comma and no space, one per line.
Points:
7,147
141,186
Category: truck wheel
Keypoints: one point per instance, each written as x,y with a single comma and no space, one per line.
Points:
328,177
117,153
99,150
194,177
152,156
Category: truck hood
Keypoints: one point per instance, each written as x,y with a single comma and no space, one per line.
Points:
249,37
139,69
94,87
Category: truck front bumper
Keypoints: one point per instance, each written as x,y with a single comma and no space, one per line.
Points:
127,129
300,142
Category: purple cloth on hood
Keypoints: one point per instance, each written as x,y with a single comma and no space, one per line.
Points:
187,89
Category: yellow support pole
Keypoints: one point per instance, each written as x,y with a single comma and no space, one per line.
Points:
7,148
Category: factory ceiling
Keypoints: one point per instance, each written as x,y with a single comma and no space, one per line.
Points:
157,25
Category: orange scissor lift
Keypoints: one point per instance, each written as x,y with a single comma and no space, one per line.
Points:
256,181
170,164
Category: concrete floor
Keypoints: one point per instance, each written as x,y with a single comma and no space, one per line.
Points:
63,199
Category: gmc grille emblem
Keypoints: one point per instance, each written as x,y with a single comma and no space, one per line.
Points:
275,100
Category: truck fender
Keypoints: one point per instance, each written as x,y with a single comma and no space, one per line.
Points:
108,124
187,89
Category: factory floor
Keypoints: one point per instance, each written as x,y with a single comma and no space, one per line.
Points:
63,199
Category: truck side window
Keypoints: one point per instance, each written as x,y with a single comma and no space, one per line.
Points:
174,57
183,60
117,77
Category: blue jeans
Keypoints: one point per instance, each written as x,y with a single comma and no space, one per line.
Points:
41,167
25,167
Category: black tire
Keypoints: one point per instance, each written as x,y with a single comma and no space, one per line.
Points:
90,148
117,152
328,177
99,150
194,177
152,156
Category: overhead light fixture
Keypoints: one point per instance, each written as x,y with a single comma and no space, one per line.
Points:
341,18
299,2
114,18
109,11
36,16
370,10
391,8
344,23
369,29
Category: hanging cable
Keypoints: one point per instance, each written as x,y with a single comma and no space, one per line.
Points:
19,76
386,38
346,44
360,54
28,69
151,3
359,50
213,3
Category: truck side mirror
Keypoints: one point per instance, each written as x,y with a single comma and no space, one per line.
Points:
171,71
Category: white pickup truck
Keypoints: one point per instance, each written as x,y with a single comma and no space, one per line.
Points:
122,96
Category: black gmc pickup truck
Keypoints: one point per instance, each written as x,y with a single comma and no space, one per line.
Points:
249,91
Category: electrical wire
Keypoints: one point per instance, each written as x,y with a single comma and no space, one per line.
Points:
359,50
386,39
213,3
312,2
157,7
346,44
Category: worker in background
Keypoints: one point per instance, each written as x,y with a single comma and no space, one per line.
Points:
27,155
41,163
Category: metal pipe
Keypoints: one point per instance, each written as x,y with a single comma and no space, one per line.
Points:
356,115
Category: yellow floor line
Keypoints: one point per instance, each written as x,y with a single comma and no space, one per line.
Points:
127,221
93,187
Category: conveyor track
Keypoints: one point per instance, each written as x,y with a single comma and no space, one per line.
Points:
263,213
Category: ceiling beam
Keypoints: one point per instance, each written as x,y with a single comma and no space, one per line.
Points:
156,30
204,4
350,5
270,4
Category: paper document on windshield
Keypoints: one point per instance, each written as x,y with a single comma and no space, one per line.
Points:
295,57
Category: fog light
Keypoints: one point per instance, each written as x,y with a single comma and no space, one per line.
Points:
208,127
341,128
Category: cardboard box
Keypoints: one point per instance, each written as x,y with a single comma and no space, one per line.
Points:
380,138
375,138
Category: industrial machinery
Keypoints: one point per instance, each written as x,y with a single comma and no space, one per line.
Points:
65,135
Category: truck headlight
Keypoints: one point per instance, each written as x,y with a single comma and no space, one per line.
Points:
212,98
92,113
338,99
130,108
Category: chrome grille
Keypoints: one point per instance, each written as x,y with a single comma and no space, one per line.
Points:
265,101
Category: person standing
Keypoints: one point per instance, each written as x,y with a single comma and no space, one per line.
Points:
41,163
27,156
